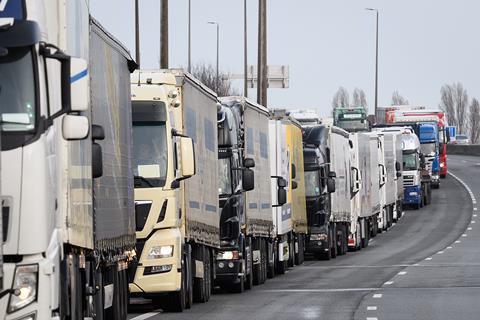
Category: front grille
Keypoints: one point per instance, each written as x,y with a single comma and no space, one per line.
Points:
132,267
429,164
408,181
142,209
5,218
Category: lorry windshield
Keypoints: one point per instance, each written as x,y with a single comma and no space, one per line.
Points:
410,161
353,125
224,177
150,152
312,183
428,149
17,90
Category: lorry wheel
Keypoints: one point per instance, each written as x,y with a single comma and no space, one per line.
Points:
333,239
175,301
271,267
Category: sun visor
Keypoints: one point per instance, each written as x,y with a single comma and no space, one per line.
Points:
21,33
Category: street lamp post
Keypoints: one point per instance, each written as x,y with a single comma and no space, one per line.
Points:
218,51
376,60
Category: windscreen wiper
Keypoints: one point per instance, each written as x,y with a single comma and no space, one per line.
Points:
144,180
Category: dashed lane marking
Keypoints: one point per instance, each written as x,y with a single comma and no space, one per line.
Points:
402,273
469,228
388,283
458,241
372,308
319,290
449,247
145,316
440,252
372,318
464,235
428,259
377,295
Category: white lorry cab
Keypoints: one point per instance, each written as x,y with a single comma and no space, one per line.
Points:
67,187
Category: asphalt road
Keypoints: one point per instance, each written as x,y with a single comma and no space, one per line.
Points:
416,270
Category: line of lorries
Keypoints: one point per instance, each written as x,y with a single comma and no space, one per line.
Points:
119,183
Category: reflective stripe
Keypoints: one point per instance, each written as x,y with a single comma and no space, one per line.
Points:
79,76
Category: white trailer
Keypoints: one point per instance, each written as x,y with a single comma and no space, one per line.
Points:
65,105
344,218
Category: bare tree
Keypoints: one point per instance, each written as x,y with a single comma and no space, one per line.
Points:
454,101
359,98
341,99
461,104
474,121
398,99
222,85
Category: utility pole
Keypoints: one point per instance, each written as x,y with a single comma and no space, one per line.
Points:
164,35
137,34
376,59
245,51
189,36
262,82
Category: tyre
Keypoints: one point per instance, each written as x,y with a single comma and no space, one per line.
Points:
271,267
333,243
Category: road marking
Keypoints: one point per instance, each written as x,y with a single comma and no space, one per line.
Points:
464,235
475,209
428,259
458,241
388,283
440,252
473,221
475,215
319,290
372,308
402,273
377,295
469,228
370,318
449,247
145,316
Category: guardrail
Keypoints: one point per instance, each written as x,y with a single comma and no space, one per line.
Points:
471,150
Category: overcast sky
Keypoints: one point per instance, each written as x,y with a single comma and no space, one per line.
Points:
423,44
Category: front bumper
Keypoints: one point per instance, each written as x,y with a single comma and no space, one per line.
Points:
167,281
410,198
229,271
47,293
317,246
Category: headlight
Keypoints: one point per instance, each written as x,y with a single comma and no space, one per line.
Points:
228,255
318,237
442,165
25,280
160,252
414,193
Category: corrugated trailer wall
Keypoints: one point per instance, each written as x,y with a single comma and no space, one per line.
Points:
295,147
202,212
374,174
114,224
366,175
258,201
389,151
340,164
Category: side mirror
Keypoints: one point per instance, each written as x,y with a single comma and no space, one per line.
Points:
187,152
97,157
399,174
282,196
249,163
397,166
79,91
97,132
75,127
281,183
294,171
97,160
332,174
248,180
330,185
294,185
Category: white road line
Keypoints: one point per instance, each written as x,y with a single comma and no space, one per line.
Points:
440,252
469,228
372,308
402,273
473,221
464,235
458,241
475,209
449,247
145,316
475,215
370,318
428,259
319,290
377,295
388,283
